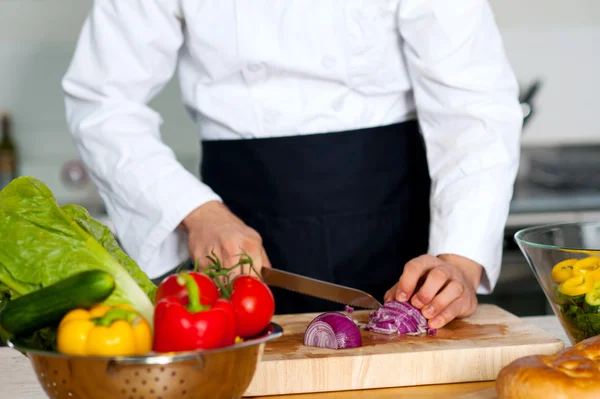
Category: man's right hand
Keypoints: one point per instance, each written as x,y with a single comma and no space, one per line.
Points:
213,227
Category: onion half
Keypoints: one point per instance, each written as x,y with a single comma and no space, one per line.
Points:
398,318
333,330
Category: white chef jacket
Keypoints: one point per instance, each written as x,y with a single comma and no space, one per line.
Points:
271,68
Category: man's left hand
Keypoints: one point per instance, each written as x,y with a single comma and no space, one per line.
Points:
448,289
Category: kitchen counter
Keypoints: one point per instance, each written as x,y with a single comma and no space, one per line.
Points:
19,382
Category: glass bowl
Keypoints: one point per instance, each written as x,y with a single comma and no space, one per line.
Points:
565,259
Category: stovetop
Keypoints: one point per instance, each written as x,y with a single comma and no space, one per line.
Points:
558,179
529,197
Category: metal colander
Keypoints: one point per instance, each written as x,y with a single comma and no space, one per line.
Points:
216,374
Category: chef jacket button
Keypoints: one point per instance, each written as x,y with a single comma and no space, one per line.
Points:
271,116
329,61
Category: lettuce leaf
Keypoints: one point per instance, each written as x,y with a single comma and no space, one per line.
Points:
42,243
105,237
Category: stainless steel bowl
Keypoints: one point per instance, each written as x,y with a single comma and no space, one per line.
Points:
222,373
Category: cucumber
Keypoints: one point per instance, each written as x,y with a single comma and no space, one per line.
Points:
47,306
592,299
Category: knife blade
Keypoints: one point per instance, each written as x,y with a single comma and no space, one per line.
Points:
320,289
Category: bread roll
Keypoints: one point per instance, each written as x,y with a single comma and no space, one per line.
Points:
571,373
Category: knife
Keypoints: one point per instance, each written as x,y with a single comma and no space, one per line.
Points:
320,289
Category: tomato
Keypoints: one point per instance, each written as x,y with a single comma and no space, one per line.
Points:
209,292
229,332
253,304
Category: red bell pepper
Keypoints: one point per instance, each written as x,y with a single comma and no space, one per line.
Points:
184,324
209,292
229,334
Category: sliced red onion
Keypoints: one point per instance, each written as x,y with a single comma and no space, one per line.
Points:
398,318
333,330
349,309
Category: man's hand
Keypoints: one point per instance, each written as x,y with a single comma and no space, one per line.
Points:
213,227
444,287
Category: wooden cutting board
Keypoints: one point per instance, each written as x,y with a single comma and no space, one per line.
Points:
471,349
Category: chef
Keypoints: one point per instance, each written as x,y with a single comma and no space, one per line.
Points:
370,143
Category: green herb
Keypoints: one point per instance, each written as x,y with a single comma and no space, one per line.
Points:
568,299
42,243
582,324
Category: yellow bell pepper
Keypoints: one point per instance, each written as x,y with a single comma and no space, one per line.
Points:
577,285
104,331
586,265
577,276
563,270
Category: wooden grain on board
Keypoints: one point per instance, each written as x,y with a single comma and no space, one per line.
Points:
468,350
471,390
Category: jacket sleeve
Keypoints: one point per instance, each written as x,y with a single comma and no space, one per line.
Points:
467,103
126,54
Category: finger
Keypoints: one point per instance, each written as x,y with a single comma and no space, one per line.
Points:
193,253
231,253
237,247
258,262
265,262
449,313
227,254
255,251
449,294
413,271
390,294
265,258
201,254
416,302
436,279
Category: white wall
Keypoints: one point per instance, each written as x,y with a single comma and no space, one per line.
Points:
37,39
556,40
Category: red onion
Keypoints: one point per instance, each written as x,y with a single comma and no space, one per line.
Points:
333,330
398,318
349,309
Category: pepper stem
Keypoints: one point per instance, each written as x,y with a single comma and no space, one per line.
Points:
193,292
117,314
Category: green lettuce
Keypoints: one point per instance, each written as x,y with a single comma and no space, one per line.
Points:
581,324
42,243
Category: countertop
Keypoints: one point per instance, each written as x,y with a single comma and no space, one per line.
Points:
19,382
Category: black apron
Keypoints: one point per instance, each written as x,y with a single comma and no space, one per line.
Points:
347,207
